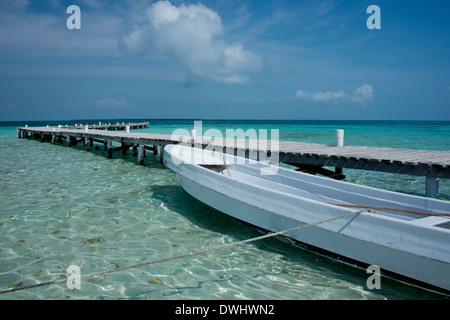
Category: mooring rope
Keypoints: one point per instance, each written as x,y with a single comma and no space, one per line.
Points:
388,209
186,254
226,165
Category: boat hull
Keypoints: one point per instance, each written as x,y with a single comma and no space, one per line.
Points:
365,239
398,264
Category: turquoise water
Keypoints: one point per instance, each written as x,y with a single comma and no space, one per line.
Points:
63,206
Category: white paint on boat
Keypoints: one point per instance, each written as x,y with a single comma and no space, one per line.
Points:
275,199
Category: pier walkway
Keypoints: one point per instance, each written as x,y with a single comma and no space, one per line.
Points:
307,157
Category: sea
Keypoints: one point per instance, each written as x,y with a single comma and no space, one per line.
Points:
66,212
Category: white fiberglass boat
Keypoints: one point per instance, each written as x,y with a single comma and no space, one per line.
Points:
411,246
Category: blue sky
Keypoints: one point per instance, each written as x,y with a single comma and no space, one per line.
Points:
225,59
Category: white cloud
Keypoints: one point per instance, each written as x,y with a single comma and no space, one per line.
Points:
321,96
301,93
362,95
192,35
112,103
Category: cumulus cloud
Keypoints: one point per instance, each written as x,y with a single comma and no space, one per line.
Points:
192,35
361,95
321,96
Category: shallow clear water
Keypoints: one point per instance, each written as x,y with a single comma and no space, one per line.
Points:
63,206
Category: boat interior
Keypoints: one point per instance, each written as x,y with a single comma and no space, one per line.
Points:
336,192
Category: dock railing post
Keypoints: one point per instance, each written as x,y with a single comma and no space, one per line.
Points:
339,137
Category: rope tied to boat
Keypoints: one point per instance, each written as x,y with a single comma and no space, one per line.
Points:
388,209
226,165
269,235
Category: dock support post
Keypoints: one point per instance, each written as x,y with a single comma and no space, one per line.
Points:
155,150
69,141
141,155
161,154
109,148
431,187
134,150
339,143
193,140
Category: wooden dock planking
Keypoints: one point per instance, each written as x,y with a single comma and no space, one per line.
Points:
116,126
289,148
406,156
431,164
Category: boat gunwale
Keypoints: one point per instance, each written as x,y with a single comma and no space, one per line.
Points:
340,186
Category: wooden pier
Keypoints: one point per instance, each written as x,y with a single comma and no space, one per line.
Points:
307,157
108,126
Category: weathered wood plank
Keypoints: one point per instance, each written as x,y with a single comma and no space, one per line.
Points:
408,161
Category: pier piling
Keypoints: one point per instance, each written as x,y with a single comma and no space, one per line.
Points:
431,187
141,154
309,157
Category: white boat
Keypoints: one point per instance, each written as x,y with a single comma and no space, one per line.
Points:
412,247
